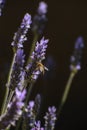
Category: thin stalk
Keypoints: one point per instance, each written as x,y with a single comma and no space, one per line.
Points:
29,93
26,102
5,101
18,123
66,92
33,46
8,128
10,96
4,105
11,69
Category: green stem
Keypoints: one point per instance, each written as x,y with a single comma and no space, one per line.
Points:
10,72
10,96
26,102
4,106
28,94
5,101
8,128
33,46
66,91
18,123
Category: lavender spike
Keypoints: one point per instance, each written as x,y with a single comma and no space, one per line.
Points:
17,69
34,68
32,111
14,110
20,35
50,118
18,61
77,54
31,115
40,19
37,104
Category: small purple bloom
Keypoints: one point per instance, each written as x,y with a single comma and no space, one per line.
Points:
20,95
31,105
26,21
37,126
42,9
20,57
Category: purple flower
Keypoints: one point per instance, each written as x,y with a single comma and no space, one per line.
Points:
37,126
40,49
20,35
32,111
42,9
77,54
17,73
34,68
20,95
40,19
26,22
30,114
20,57
14,110
50,118
37,104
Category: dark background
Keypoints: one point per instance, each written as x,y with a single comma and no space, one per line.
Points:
66,21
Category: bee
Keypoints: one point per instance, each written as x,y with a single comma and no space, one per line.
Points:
41,67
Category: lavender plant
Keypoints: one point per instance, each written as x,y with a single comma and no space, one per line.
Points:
75,66
17,109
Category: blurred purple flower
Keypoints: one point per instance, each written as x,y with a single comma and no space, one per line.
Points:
40,19
30,115
42,9
2,3
77,54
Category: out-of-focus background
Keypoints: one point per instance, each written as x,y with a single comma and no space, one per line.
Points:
66,21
